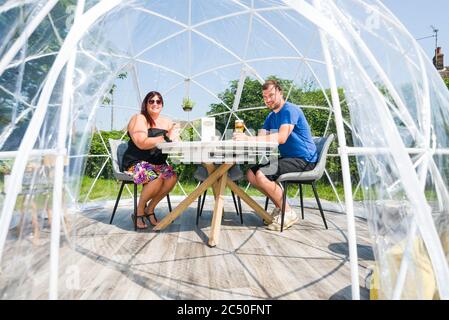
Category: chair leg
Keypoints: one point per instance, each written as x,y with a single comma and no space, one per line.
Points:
135,207
117,201
198,208
301,199
169,202
240,209
284,200
319,204
202,203
266,203
235,203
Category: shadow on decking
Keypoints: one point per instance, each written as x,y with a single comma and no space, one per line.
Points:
364,252
181,283
250,262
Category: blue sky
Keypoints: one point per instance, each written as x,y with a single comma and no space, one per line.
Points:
419,15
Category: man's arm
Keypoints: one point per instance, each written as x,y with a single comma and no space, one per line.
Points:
280,137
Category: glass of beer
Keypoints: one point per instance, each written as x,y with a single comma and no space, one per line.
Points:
239,126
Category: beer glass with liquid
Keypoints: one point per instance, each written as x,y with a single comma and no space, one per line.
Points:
239,126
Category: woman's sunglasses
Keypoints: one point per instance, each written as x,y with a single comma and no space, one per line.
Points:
152,101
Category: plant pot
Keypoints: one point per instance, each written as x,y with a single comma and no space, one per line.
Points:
187,108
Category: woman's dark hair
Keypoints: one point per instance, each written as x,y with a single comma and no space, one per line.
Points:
143,109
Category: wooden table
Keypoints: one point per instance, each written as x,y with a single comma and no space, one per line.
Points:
217,157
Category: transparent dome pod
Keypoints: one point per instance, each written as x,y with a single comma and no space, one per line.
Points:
373,82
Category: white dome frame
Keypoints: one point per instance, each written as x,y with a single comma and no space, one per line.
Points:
312,13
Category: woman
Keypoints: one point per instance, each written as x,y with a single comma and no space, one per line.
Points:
144,161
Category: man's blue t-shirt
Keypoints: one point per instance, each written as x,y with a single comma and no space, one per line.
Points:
299,143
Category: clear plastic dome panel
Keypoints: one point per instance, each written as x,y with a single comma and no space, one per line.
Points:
394,105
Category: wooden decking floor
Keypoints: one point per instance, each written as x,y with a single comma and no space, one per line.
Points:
250,262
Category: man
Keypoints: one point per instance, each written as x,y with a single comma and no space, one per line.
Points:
287,125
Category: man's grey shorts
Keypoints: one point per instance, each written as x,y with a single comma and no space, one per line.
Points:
273,170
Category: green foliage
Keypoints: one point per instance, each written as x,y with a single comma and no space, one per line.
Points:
306,95
251,97
446,81
109,97
184,171
96,152
5,167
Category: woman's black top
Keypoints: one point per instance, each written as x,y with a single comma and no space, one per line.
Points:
134,155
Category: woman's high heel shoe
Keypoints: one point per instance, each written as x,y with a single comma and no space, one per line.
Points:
142,218
147,215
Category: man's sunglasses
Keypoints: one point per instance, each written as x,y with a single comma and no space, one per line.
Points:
152,101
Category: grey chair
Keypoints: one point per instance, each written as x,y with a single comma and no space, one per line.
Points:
306,177
118,148
235,174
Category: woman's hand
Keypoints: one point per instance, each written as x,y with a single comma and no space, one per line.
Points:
174,131
239,136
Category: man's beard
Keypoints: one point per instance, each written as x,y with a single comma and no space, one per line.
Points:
276,106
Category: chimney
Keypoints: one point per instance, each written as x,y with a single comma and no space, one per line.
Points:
438,60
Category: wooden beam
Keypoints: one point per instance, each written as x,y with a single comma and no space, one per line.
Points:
215,187
218,212
253,204
192,197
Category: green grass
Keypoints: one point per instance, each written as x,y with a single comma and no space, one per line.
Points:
108,190
324,190
105,189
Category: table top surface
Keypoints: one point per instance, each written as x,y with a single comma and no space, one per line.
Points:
223,151
220,144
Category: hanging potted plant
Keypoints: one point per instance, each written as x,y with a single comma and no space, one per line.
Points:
187,104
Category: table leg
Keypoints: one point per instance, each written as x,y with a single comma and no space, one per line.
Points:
215,186
210,169
253,204
218,212
192,197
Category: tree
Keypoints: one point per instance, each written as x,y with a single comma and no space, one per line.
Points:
97,148
308,94
109,97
